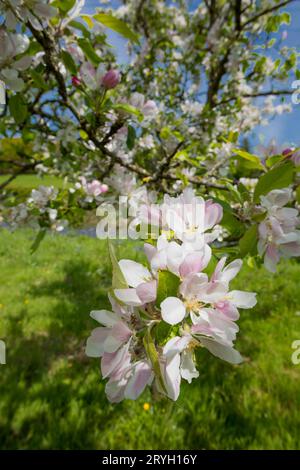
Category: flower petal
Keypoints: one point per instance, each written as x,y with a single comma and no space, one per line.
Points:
147,291
226,353
173,377
242,299
141,376
187,368
128,296
134,273
172,310
105,317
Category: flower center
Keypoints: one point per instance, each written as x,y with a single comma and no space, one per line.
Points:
193,304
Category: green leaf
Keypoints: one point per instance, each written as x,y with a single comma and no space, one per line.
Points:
229,220
168,284
153,357
277,178
274,159
38,239
69,62
118,279
63,5
127,108
130,137
250,158
89,21
162,332
81,27
117,25
248,243
38,80
88,50
18,108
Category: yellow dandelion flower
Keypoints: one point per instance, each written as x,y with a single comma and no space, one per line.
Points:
146,406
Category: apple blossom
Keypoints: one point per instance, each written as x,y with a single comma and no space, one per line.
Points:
200,312
279,235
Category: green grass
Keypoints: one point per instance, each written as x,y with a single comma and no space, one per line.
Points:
52,395
29,182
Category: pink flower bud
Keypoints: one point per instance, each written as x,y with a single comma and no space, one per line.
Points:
287,152
75,81
111,79
104,188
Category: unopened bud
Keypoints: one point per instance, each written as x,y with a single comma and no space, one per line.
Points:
111,79
75,81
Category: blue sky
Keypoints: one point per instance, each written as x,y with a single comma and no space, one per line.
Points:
285,128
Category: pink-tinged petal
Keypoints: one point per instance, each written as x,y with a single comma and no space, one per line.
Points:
114,390
141,376
242,299
147,291
175,223
172,310
176,345
290,249
222,329
119,334
93,348
231,270
154,215
172,377
218,269
150,251
226,353
111,362
95,343
128,296
277,197
175,256
212,292
134,273
162,242
105,317
213,214
271,258
193,263
188,370
227,309
193,284
159,261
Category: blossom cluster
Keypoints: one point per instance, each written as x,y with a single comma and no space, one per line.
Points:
279,234
38,210
163,313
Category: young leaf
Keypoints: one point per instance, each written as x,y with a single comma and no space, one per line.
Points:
277,178
69,62
117,25
168,284
250,158
89,20
248,243
162,331
18,108
130,137
127,108
118,279
153,357
89,51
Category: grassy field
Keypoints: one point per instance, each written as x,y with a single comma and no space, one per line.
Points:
52,395
32,181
